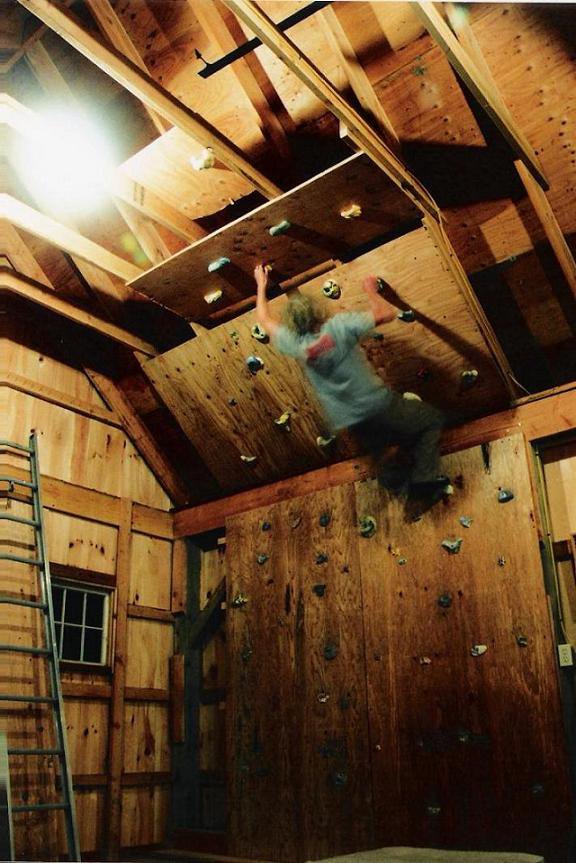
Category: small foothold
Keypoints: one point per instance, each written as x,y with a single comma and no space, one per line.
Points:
504,495
339,778
216,265
418,70
321,558
466,520
213,296
323,697
249,459
501,561
351,212
295,522
258,333
266,526
232,402
324,442
367,526
330,650
319,589
246,654
255,364
280,228
448,490
479,649
537,789
452,546
402,561
204,160
433,810
445,600
469,377
521,641
262,558
283,421
239,600
325,519
331,289
424,660
407,315
235,337
411,397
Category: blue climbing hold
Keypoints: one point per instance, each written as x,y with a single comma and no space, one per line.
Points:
505,495
216,265
407,316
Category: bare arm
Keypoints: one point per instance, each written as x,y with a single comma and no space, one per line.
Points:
265,319
381,309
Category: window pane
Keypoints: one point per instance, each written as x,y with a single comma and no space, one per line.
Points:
74,604
72,641
57,594
92,645
58,628
94,609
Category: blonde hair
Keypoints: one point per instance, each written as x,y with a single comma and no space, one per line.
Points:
302,315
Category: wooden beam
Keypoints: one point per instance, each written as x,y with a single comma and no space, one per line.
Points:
481,87
208,620
111,26
358,129
148,91
137,693
20,255
146,612
16,284
148,237
64,238
341,44
152,205
164,472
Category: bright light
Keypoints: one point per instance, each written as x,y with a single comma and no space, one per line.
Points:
65,162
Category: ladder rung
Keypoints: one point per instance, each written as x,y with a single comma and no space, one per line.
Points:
36,651
4,516
12,445
27,603
16,558
35,751
30,699
15,481
36,807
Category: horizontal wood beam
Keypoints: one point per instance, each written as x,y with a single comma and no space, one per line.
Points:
152,205
146,612
536,419
138,693
59,235
145,88
358,129
480,86
16,284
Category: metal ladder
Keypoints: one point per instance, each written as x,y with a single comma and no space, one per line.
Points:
49,651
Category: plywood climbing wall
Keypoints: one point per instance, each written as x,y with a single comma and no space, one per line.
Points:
359,714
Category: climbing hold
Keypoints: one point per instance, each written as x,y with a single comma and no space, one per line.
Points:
324,442
351,212
367,526
259,334
283,421
325,519
254,364
266,526
239,600
249,459
232,402
235,337
323,697
479,649
538,790
448,490
330,650
444,600
408,316
246,654
452,546
433,810
504,495
411,397
501,561
212,297
331,289
319,589
402,561
262,558
521,641
280,228
469,378
424,660
418,70
204,160
296,521
345,568
339,778
216,265
321,558
465,520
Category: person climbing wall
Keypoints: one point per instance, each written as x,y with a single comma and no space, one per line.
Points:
350,392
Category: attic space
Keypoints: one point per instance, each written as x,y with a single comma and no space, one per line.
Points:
287,431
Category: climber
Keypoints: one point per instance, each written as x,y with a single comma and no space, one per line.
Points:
350,392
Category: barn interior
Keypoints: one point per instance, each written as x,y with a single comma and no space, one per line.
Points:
222,639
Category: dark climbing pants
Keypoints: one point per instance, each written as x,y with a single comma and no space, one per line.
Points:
406,422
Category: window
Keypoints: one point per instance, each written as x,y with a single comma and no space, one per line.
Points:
81,621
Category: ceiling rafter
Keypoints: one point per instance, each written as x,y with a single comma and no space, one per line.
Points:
152,94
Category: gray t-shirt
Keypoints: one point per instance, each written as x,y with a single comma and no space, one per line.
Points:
347,386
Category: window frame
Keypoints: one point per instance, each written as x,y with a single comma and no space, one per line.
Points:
85,588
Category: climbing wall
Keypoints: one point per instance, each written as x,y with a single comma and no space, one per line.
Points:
398,688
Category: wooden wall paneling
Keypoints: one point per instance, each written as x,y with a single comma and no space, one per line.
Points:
147,745
90,816
212,571
560,473
150,571
145,818
179,576
455,721
81,543
87,724
150,643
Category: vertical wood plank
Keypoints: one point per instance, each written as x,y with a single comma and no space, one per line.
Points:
179,569
177,718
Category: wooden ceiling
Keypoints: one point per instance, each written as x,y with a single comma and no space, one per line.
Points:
135,66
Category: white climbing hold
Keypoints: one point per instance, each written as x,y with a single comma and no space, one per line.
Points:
204,160
469,377
259,333
280,228
351,212
249,459
212,297
465,520
331,289
452,546
324,442
216,265
424,660
448,490
479,649
411,397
